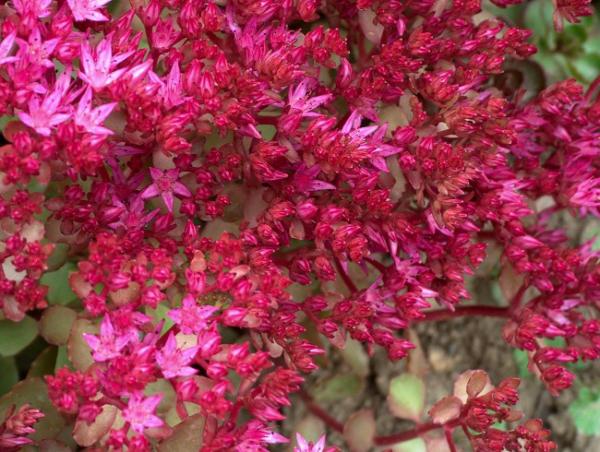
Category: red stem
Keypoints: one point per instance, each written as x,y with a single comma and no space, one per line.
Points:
449,439
405,436
315,409
344,275
388,440
516,300
378,265
460,311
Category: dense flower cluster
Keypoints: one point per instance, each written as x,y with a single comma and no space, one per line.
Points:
231,175
16,426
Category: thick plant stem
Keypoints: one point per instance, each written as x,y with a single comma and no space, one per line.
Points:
345,277
462,311
407,435
321,413
334,424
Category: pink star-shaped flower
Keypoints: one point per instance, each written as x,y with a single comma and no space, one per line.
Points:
165,184
97,69
91,119
35,50
305,446
174,361
42,117
6,47
37,8
86,10
140,412
109,344
192,317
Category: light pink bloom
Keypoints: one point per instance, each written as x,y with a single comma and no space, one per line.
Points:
192,317
587,193
174,361
97,65
165,184
298,100
304,179
91,119
5,48
171,90
140,412
257,432
304,446
44,116
37,8
109,344
35,50
86,9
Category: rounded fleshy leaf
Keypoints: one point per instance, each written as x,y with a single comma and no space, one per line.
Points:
477,383
471,384
355,355
56,323
185,436
510,282
359,431
372,31
59,289
406,397
414,445
87,435
78,350
339,387
10,374
33,391
15,336
446,410
44,363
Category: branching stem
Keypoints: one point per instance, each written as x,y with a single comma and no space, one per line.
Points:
461,311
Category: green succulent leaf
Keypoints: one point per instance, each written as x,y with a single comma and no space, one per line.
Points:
10,374
406,398
339,387
522,361
59,290
15,336
584,412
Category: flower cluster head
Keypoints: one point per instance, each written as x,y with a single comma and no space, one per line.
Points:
17,425
225,181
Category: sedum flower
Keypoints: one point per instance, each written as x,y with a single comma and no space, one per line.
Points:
91,119
192,317
174,361
6,47
109,343
167,185
140,412
88,10
302,445
98,64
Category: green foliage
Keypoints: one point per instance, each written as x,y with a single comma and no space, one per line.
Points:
406,398
33,391
574,52
15,336
521,360
59,290
10,374
585,412
414,445
44,363
339,387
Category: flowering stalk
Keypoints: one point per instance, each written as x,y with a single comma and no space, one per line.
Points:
219,180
